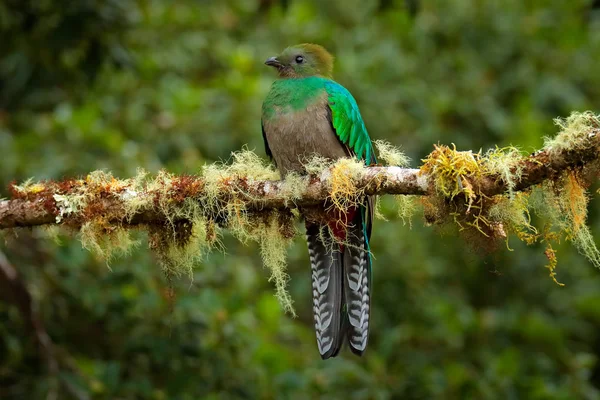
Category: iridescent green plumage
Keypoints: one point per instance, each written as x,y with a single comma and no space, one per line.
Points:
306,113
296,94
348,123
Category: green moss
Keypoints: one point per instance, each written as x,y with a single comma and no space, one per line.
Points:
106,241
69,204
391,155
180,256
504,162
52,232
247,164
407,208
274,233
574,132
294,186
512,213
270,230
316,165
134,200
571,201
244,164
273,249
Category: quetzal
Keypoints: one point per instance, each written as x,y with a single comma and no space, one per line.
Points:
305,114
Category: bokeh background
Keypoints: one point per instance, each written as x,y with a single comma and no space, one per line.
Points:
122,84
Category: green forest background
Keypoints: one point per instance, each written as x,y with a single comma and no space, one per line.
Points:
122,84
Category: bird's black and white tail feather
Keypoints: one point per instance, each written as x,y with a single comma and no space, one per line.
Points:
341,286
326,268
357,296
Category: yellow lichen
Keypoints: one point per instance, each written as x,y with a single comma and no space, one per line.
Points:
449,170
454,172
552,262
344,193
29,186
481,219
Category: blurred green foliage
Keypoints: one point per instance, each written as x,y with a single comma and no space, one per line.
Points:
118,85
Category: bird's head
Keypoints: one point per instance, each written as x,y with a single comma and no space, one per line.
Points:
303,60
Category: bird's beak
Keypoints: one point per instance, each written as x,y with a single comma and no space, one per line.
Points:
273,62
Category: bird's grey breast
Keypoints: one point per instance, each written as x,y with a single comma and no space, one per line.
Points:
295,136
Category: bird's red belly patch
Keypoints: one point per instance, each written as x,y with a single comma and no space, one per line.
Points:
338,222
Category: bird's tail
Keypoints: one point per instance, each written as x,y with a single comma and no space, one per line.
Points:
327,270
357,279
341,275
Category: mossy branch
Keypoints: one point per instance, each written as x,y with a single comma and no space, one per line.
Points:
485,195
49,202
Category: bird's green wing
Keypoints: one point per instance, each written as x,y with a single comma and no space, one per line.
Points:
347,122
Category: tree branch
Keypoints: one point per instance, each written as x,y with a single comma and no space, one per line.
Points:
130,202
40,204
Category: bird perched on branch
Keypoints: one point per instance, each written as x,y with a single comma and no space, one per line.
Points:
305,114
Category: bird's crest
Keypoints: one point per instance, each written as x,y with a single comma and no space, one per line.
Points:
303,60
323,59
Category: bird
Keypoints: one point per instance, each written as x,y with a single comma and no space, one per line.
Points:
306,114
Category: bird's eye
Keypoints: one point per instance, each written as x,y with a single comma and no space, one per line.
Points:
299,59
